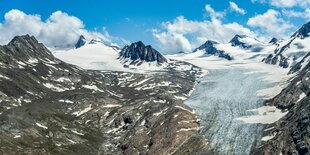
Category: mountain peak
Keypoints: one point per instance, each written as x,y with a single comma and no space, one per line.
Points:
138,51
244,41
207,45
303,32
208,48
81,42
26,46
273,41
236,41
23,40
139,44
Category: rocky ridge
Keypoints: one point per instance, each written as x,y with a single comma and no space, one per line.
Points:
290,135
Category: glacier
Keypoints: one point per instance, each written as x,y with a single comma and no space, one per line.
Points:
229,92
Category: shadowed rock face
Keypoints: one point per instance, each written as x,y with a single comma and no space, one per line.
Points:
303,32
209,48
24,48
291,134
139,52
50,107
273,41
81,42
235,41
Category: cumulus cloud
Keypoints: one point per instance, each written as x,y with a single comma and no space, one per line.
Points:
59,30
234,7
212,13
286,3
297,14
185,35
271,24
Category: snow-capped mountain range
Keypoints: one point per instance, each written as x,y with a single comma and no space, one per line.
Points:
97,98
94,54
284,53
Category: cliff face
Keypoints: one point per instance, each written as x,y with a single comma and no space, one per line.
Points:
291,134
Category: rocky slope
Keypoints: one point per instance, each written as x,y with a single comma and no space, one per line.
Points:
291,134
50,107
291,51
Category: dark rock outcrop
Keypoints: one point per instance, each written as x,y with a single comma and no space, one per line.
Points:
303,32
235,41
273,41
138,53
209,48
81,42
24,48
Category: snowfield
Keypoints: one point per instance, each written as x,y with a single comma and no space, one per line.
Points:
95,56
98,56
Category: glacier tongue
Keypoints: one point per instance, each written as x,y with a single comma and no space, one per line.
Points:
220,98
229,91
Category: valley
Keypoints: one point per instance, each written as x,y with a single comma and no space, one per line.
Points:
222,98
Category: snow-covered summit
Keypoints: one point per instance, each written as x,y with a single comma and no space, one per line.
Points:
209,48
93,55
244,41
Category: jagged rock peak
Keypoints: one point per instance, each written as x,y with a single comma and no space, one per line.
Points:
235,41
138,51
207,45
26,46
81,42
303,32
273,41
24,39
209,49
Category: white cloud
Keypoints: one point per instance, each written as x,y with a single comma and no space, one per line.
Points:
185,35
234,7
212,13
297,14
271,24
60,29
172,42
286,3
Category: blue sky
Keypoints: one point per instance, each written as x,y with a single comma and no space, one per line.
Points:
136,19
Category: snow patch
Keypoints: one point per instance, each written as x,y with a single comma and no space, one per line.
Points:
79,113
54,87
92,87
41,126
266,115
111,105
301,96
